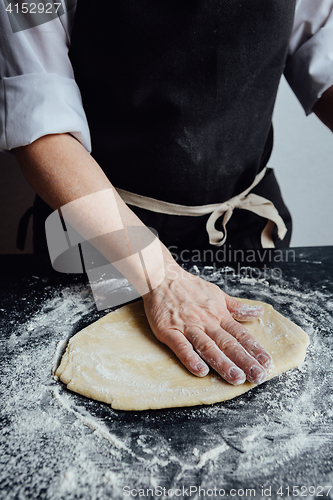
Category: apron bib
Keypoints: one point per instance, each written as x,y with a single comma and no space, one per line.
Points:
179,95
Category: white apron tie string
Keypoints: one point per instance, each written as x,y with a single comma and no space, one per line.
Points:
252,202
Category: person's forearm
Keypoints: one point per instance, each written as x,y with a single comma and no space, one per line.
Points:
60,170
191,316
324,108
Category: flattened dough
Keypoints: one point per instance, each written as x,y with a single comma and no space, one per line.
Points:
119,361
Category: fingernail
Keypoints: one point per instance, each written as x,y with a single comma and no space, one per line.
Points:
257,375
264,360
202,369
237,376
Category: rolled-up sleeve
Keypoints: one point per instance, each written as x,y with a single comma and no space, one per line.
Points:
309,68
38,92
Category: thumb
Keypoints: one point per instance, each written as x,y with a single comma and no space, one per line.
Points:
241,311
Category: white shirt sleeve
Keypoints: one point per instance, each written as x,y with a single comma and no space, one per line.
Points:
38,93
309,68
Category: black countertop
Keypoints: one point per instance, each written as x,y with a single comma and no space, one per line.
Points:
275,440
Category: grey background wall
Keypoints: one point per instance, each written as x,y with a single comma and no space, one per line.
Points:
302,159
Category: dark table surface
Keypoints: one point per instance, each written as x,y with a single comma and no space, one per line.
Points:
275,440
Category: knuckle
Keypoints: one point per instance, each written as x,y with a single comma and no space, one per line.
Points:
184,353
163,335
226,322
168,337
205,347
232,302
188,358
183,348
227,343
229,324
243,336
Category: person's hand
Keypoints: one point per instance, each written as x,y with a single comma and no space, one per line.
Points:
197,320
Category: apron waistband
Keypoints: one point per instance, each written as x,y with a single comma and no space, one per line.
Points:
245,200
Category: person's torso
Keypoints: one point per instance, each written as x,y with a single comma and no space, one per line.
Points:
179,94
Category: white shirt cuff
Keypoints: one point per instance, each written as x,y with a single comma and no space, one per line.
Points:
36,104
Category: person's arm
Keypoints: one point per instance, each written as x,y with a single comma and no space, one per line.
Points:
309,66
323,108
193,317
38,93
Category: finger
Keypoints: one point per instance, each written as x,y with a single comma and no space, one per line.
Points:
228,344
244,337
209,351
184,351
241,311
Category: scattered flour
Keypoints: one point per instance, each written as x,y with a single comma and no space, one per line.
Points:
57,445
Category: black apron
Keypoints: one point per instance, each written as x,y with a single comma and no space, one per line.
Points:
179,98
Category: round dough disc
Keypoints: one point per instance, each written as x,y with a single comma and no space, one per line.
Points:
119,361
